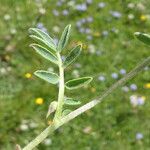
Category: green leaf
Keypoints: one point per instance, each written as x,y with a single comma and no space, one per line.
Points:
77,83
43,37
66,112
72,56
145,38
47,76
52,108
64,38
71,101
45,53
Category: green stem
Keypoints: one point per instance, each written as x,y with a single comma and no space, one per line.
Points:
85,107
58,113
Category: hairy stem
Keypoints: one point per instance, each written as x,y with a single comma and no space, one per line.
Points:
58,113
85,107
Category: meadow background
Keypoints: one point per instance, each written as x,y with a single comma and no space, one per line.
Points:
105,28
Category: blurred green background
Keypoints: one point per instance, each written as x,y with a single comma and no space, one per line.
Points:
109,51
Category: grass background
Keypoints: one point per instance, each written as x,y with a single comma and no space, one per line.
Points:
114,123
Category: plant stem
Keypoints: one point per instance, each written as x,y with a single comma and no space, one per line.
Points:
58,113
86,107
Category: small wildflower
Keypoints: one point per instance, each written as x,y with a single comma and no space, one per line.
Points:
105,33
139,136
116,14
7,17
89,19
114,75
39,101
91,48
65,12
133,87
131,17
147,86
28,75
56,29
33,125
81,7
101,78
42,11
141,100
55,12
125,89
47,141
122,71
143,18
101,5
140,6
24,127
13,31
131,5
137,100
3,71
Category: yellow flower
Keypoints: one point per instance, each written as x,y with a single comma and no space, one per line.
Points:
39,101
147,86
143,18
28,75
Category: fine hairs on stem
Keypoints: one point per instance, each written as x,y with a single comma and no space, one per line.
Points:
47,48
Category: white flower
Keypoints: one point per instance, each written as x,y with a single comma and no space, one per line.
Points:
7,17
125,89
91,48
137,100
42,11
131,5
130,16
101,78
24,127
47,141
56,29
33,125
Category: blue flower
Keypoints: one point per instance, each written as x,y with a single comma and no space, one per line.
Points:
116,14
81,7
114,75
122,71
139,136
133,87
101,5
